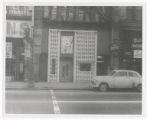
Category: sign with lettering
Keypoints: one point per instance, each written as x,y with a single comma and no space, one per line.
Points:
137,43
66,44
21,11
137,53
15,29
8,50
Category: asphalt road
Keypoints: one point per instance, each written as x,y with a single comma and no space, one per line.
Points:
72,102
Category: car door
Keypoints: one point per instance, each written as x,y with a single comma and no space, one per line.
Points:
121,80
133,77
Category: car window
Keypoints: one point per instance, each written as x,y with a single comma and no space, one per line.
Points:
131,74
125,74
121,74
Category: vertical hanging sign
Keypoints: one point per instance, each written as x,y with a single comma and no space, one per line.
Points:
8,50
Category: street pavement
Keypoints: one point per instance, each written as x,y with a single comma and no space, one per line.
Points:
72,102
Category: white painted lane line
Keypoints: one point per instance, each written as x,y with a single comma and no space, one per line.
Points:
55,103
114,102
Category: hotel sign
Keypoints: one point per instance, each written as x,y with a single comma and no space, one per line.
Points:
15,29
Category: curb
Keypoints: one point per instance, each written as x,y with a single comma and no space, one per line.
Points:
48,88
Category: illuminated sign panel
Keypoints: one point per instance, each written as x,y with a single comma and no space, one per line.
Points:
15,29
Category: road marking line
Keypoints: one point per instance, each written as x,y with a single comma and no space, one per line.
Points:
55,103
115,102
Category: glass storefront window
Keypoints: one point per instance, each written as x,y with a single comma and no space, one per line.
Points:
85,67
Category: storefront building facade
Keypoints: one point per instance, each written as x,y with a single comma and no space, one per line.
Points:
126,48
17,17
72,55
70,45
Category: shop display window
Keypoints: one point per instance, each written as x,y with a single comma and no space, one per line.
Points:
85,67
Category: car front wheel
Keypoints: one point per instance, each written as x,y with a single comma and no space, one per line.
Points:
103,87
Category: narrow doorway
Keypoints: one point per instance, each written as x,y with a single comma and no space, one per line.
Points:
66,70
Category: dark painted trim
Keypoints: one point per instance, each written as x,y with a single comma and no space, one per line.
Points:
74,25
23,18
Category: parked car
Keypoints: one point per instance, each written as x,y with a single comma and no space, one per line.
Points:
118,79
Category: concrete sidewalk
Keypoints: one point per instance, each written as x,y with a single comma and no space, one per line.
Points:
48,85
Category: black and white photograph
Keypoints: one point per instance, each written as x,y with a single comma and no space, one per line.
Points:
73,59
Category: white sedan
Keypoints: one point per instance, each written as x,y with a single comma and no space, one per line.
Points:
118,79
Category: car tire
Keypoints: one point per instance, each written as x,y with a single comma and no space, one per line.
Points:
103,87
139,88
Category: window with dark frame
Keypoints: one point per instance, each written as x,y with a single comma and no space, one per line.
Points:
85,67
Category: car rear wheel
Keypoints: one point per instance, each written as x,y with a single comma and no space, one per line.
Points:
139,88
103,87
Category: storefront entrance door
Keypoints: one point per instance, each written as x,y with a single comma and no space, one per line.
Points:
66,70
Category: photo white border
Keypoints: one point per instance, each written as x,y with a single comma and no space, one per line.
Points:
70,3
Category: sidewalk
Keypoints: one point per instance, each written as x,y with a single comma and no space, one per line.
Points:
47,85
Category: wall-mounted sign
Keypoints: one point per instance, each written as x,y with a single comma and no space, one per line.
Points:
137,53
8,50
21,11
137,43
16,28
66,44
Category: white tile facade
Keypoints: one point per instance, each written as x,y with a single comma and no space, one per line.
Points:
85,47
53,53
85,53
